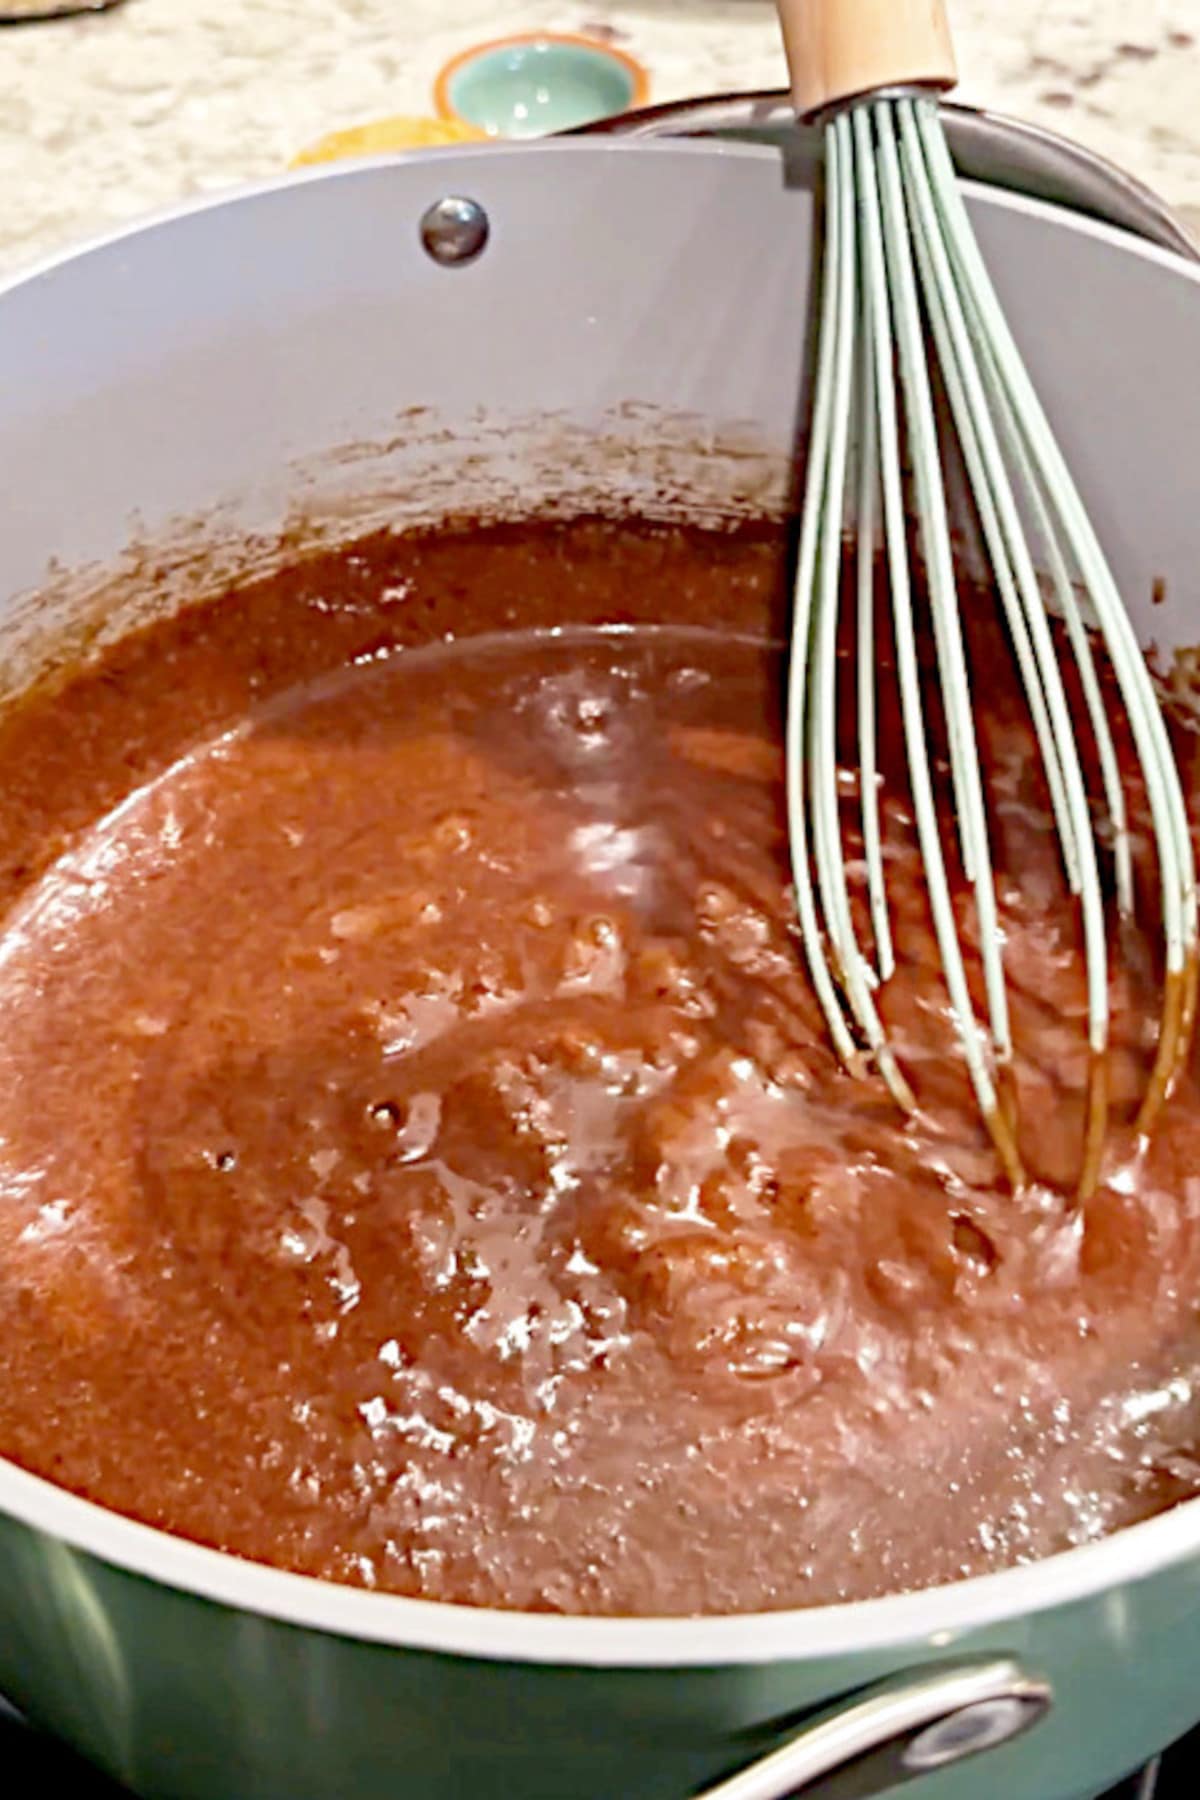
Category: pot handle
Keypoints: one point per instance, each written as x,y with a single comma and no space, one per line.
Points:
896,1732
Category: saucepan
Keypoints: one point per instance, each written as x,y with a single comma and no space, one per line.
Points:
553,326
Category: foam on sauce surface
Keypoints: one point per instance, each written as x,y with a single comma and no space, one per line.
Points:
422,1162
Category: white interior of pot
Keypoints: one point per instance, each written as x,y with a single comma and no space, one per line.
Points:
176,398
202,395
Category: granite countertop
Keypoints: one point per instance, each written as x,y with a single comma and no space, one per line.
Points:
114,115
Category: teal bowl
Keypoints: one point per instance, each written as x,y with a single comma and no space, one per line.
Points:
531,86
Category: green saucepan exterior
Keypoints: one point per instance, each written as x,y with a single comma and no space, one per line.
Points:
632,331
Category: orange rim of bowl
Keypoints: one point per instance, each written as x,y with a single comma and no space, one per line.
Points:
638,75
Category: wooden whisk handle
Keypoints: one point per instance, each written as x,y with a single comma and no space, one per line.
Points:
839,49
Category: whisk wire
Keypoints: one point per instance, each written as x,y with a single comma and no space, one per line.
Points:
1049,535
900,258
811,715
972,403
868,750
800,657
954,678
960,244
850,962
974,395
995,505
885,248
1168,810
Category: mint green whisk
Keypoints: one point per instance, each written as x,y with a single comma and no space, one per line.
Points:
904,286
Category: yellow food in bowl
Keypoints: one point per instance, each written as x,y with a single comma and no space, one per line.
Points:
384,137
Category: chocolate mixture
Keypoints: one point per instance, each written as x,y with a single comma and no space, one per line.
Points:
422,1159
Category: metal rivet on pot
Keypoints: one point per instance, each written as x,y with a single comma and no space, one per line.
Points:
970,1730
454,230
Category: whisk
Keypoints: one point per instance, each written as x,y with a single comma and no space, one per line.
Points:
904,288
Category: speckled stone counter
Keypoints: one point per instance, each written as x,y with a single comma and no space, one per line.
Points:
107,117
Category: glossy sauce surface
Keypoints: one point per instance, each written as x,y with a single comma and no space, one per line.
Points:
422,1163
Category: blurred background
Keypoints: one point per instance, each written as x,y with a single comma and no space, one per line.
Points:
107,114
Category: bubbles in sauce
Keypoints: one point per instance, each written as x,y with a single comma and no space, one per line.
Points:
421,1159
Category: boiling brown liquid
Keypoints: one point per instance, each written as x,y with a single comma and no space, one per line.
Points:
422,1160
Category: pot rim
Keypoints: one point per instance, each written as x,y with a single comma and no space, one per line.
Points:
934,1618
711,116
